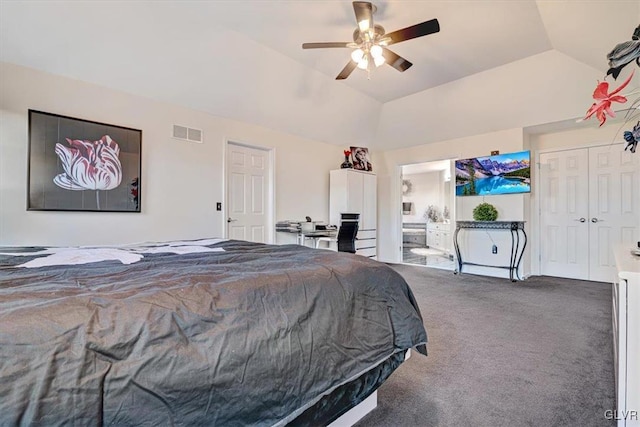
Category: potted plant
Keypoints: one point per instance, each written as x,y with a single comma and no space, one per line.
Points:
431,214
485,212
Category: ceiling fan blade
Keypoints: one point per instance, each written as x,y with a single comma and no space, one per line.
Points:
364,15
395,60
418,30
347,70
325,44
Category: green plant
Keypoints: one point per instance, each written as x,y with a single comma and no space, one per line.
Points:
485,212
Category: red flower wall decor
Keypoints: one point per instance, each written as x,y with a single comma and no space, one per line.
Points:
604,99
622,55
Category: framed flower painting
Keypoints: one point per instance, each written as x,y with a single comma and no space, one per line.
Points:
80,165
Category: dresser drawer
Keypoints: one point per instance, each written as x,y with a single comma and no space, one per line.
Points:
416,239
438,226
366,234
365,243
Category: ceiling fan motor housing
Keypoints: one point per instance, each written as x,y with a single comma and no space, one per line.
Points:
378,31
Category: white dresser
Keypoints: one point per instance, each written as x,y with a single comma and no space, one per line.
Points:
352,191
626,338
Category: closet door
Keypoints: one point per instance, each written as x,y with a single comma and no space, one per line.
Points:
614,207
589,204
564,212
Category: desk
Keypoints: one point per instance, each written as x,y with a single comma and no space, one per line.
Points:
315,235
301,236
515,227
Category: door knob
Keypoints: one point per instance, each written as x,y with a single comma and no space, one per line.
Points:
231,220
594,220
581,220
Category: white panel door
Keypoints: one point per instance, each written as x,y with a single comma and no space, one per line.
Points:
614,207
247,192
589,204
564,212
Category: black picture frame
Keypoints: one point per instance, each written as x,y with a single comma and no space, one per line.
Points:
360,159
82,165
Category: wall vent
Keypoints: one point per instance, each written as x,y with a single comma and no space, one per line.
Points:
187,134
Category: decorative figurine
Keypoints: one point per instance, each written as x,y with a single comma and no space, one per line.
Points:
346,164
632,137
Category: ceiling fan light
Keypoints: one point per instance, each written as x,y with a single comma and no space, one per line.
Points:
376,51
357,55
363,64
378,60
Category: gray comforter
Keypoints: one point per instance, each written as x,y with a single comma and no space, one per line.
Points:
249,336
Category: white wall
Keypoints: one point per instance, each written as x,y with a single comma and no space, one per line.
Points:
208,66
181,182
540,89
510,207
426,189
589,135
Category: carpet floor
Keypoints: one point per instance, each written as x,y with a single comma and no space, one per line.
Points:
531,353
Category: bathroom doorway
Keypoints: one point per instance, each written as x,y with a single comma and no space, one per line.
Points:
428,199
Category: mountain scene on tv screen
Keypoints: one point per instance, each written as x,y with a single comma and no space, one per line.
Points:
500,174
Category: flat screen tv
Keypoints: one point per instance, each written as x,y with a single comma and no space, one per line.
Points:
499,174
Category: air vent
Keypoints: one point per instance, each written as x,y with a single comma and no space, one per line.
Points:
187,134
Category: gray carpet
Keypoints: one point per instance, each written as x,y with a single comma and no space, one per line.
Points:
531,353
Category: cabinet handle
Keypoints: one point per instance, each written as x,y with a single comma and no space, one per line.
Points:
581,219
594,220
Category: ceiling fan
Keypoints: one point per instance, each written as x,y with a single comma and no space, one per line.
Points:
370,41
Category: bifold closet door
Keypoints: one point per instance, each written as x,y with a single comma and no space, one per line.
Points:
614,207
589,204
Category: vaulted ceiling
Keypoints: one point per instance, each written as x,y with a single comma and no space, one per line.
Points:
243,60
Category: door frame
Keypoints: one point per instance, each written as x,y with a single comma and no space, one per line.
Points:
536,217
271,186
396,197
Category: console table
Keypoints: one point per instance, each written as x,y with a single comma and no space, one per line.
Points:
515,227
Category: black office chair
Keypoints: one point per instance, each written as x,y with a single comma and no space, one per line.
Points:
347,236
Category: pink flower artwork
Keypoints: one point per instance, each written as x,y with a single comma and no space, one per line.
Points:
604,99
89,165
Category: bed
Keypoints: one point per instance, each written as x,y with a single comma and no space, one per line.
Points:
205,332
